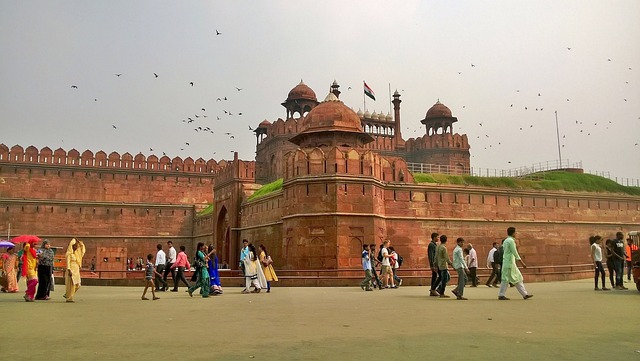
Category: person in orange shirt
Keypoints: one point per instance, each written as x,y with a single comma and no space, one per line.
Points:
627,251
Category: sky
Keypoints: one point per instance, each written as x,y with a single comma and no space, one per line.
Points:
504,68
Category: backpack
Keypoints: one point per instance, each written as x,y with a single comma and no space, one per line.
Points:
379,257
400,260
497,255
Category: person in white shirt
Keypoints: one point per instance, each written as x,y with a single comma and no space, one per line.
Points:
386,265
473,265
161,260
494,267
171,259
596,255
461,268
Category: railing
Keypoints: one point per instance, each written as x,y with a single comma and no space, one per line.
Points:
534,171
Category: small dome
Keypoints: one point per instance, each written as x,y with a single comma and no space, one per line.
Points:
367,114
374,115
264,124
438,110
389,117
302,91
360,113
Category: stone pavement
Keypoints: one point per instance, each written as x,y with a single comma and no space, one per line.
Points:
564,321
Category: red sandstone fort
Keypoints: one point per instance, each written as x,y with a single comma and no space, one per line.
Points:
346,181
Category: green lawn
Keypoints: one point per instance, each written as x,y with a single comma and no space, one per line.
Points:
555,180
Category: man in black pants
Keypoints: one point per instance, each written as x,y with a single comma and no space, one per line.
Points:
435,275
171,259
374,262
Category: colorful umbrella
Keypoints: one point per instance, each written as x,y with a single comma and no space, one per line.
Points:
25,238
5,243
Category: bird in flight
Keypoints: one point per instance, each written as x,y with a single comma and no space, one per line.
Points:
480,124
349,88
218,99
155,74
217,32
114,127
203,110
473,65
197,116
187,143
151,149
568,48
191,83
241,113
250,128
238,88
74,87
118,75
227,133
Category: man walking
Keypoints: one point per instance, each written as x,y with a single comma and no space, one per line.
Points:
374,264
366,266
171,259
493,265
431,253
161,261
461,268
473,265
443,261
386,264
182,263
510,272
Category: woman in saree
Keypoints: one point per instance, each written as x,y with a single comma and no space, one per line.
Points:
74,255
29,269
45,269
267,267
214,276
10,270
202,279
253,273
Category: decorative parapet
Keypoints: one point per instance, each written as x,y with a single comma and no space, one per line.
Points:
101,160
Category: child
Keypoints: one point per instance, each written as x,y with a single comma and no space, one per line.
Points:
149,275
366,266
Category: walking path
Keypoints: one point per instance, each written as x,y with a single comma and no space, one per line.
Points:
564,321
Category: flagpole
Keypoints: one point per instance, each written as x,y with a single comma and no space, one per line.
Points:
389,97
364,98
558,135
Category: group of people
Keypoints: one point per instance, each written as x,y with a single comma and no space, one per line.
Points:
205,277
37,267
257,268
388,260
504,270
616,254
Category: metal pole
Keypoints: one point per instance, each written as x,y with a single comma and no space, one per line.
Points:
558,135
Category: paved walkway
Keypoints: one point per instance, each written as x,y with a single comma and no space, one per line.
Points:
564,321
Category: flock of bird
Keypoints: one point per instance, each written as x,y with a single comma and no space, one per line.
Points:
533,101
198,120
528,101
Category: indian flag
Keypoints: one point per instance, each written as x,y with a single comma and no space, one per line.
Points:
368,91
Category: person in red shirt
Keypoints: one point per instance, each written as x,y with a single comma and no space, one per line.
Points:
182,262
